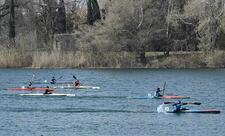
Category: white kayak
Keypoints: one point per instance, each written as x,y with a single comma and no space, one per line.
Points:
87,87
53,94
49,82
78,87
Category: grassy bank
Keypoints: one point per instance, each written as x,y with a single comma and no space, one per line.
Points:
66,59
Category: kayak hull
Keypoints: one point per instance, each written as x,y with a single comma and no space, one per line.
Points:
54,94
87,87
213,111
78,87
30,89
49,82
162,97
172,97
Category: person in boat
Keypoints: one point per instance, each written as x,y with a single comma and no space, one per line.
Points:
157,93
77,83
48,91
178,106
30,85
53,81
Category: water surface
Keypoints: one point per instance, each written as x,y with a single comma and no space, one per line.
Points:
108,111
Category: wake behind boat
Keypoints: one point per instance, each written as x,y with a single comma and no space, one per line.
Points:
53,94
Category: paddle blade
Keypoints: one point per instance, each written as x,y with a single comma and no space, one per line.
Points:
60,77
196,103
164,86
169,102
74,77
185,103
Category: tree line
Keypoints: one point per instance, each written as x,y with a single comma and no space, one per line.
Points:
137,26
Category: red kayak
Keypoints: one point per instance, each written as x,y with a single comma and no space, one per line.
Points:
30,89
149,96
173,97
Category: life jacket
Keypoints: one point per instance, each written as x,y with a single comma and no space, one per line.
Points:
77,83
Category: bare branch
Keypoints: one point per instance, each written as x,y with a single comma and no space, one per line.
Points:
4,14
141,15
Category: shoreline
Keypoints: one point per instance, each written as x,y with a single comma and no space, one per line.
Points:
108,68
111,60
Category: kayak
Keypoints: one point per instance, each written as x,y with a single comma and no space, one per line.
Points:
213,111
87,87
30,89
49,82
78,87
172,97
53,94
149,96
68,86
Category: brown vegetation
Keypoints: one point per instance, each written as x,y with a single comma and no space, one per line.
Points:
118,34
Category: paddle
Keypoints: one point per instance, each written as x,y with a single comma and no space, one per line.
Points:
59,77
184,103
53,81
164,87
75,77
32,80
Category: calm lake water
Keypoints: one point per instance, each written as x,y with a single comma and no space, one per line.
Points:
108,111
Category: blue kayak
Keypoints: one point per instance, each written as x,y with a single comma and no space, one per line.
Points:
212,111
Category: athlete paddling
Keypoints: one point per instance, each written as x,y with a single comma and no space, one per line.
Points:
178,106
53,81
77,83
157,93
30,85
48,91
179,109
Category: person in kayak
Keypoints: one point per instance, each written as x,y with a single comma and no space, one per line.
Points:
53,81
178,106
77,82
48,91
157,93
30,85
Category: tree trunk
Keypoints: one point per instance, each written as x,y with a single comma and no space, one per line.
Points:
93,11
12,33
61,18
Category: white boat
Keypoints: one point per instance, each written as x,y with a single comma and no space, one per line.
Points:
53,94
87,87
78,87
